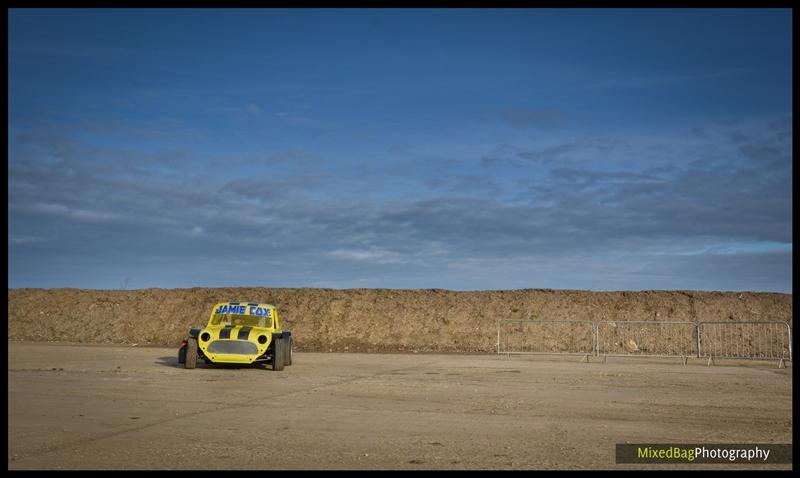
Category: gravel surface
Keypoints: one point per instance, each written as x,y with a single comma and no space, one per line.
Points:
121,407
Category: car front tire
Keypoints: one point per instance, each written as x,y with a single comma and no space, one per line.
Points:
289,347
191,353
278,353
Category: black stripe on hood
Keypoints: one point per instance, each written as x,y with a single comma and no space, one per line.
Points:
226,332
244,333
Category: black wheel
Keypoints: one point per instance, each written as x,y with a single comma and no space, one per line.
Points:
288,357
182,355
191,353
278,353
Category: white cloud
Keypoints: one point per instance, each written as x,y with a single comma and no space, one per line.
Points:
375,256
23,239
61,210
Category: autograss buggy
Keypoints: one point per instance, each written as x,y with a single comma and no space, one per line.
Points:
243,333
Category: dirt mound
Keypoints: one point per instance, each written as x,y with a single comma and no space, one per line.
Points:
361,320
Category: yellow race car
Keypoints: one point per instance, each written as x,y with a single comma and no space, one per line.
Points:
239,332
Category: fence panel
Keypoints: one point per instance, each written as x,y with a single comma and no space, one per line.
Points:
745,340
545,337
646,338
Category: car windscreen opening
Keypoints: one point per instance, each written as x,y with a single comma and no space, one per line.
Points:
235,320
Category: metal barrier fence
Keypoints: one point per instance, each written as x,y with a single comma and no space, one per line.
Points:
546,337
763,340
745,340
650,338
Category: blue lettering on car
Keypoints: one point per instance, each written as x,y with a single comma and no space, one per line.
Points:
242,309
258,311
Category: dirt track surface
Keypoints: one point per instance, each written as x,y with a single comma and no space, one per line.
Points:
119,407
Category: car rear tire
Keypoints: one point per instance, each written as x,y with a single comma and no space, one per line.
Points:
278,353
191,353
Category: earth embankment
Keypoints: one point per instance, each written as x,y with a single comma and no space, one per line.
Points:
361,320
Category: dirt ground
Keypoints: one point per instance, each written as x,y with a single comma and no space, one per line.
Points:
75,406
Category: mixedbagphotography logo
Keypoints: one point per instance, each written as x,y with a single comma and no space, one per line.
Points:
754,453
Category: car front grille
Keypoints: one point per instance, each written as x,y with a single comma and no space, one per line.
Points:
232,347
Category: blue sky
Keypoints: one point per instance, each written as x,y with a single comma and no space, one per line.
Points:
414,148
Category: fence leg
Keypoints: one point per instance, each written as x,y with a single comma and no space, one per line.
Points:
781,364
685,359
585,358
605,357
508,356
710,361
